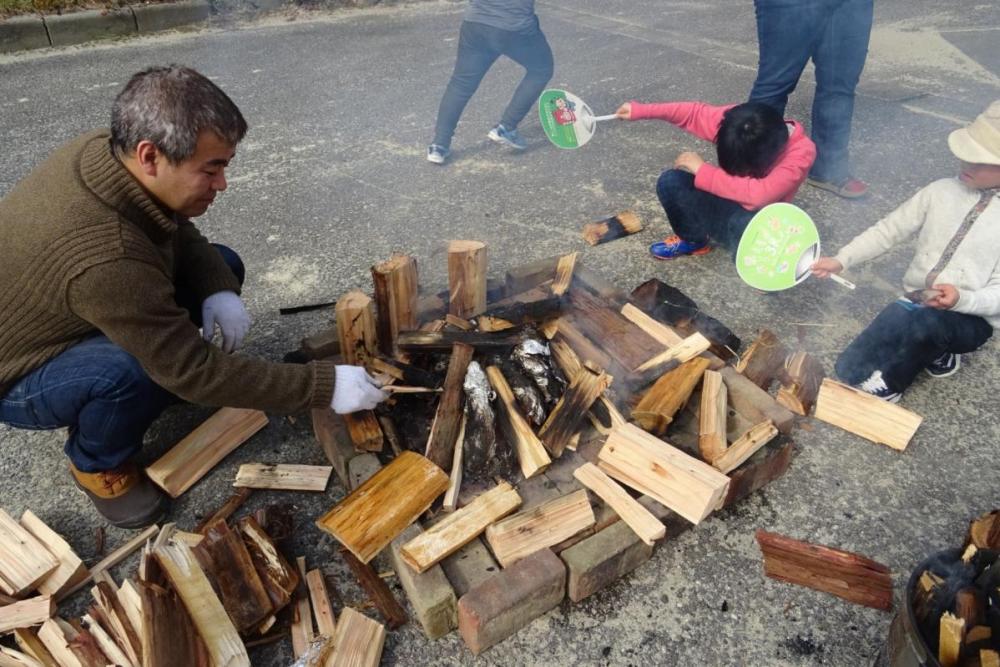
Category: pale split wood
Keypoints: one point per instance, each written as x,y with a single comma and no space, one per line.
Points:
381,508
190,459
71,569
458,529
951,634
54,638
712,417
656,409
106,643
125,630
283,476
207,613
455,479
26,613
544,526
531,453
989,658
24,561
302,627
682,483
13,658
358,642
639,519
489,323
564,273
689,348
865,415
280,579
128,598
28,641
663,333
355,319
746,446
467,266
326,620
458,322
115,557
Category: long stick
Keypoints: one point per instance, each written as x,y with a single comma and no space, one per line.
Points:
842,281
397,389
608,117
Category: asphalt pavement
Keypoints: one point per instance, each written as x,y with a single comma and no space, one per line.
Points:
332,178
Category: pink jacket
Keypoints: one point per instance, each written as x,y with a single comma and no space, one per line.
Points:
703,120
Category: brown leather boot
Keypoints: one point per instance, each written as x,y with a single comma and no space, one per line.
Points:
124,496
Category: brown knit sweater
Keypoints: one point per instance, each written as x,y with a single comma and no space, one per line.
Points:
85,249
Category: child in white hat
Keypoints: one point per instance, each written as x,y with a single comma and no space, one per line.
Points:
952,299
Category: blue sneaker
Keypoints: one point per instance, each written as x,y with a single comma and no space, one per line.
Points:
437,154
945,365
502,135
674,246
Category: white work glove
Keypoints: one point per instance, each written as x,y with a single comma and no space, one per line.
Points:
355,390
225,309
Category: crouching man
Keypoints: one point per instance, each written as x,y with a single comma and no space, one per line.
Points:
110,297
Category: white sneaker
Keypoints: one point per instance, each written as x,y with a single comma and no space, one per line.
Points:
876,386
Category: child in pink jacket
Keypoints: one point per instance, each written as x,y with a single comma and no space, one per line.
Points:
762,159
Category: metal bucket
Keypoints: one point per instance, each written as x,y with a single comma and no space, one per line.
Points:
905,647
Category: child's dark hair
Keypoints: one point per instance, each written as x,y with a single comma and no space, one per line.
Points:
750,138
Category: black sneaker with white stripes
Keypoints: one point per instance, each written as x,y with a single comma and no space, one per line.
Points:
945,365
876,386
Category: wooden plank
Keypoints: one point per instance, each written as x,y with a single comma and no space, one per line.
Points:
613,228
657,407
448,417
326,620
302,626
663,333
458,529
226,510
745,447
676,480
283,476
26,613
639,519
355,318
56,643
467,265
24,561
847,575
331,433
365,431
687,349
626,343
225,558
455,479
395,281
71,569
207,613
201,450
951,632
28,641
378,510
712,417
564,273
544,526
865,415
359,641
753,403
803,376
280,579
377,590
764,360
168,633
442,341
531,453
564,420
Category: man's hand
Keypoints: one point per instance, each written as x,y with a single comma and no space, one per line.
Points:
625,111
355,390
947,298
689,161
824,266
225,309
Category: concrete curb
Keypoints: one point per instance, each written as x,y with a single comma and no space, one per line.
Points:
35,32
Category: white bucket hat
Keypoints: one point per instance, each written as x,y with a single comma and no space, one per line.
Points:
979,143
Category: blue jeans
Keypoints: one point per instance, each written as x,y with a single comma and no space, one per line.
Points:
479,46
904,338
834,33
100,392
698,216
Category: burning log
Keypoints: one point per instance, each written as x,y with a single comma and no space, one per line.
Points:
440,341
448,418
613,228
534,358
527,393
670,305
530,451
563,422
480,422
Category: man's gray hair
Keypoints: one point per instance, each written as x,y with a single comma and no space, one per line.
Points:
170,106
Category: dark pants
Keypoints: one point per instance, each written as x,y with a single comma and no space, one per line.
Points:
834,33
698,216
904,338
100,392
479,46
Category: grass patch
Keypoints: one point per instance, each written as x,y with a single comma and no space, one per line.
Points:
14,7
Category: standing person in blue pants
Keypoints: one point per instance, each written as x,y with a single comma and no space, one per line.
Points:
834,34
490,29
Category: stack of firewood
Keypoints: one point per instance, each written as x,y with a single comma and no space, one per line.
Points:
956,601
